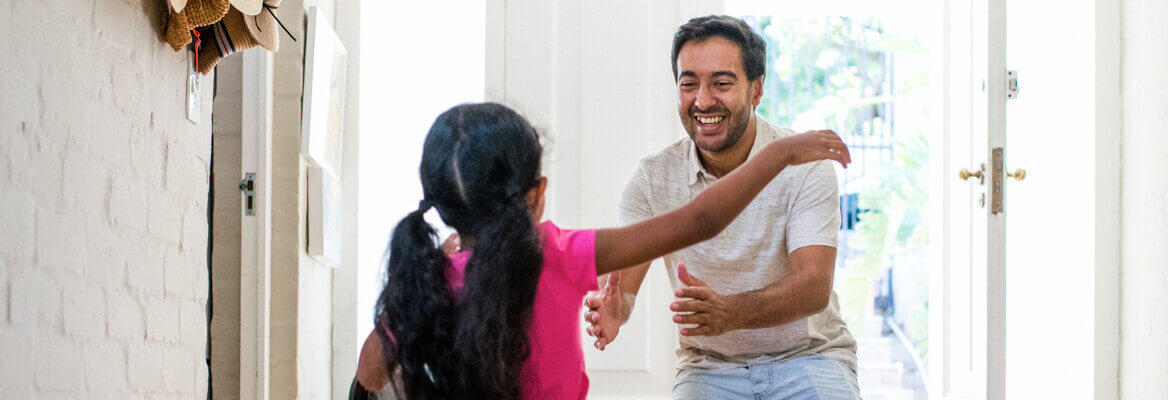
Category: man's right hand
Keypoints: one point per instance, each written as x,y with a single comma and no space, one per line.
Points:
606,311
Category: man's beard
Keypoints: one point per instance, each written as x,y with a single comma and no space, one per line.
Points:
736,127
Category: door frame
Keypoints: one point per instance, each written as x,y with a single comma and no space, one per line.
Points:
255,241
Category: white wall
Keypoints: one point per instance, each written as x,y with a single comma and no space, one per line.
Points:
103,203
427,60
1143,367
302,287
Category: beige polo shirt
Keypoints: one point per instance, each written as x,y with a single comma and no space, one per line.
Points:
799,208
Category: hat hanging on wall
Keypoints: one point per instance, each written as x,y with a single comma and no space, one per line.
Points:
263,26
238,32
195,13
227,36
248,7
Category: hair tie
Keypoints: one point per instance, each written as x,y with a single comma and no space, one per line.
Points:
513,192
425,205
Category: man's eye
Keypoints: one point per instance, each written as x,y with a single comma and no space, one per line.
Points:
688,84
723,84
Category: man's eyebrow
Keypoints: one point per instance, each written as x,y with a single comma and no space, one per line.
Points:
726,74
687,73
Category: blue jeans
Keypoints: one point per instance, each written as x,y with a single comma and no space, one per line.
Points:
812,377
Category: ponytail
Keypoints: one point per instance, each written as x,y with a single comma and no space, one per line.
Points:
416,305
495,312
473,347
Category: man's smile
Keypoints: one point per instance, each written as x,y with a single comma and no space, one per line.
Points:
709,124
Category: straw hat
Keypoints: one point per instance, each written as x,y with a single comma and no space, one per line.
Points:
204,12
263,26
223,38
195,13
247,7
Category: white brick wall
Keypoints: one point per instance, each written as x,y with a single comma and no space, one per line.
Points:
103,204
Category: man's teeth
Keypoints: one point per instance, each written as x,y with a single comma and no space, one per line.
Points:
709,120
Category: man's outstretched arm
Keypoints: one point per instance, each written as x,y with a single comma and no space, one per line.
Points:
812,229
804,291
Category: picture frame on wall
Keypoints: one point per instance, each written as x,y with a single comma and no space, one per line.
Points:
325,217
322,123
322,113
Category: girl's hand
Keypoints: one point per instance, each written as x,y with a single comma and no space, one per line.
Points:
814,146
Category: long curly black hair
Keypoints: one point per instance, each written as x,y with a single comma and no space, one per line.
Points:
478,162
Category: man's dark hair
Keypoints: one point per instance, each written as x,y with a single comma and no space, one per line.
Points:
750,44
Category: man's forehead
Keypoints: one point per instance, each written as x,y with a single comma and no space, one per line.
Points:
709,55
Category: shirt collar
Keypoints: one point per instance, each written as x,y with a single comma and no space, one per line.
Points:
762,135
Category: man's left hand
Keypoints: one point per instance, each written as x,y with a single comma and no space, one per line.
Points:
712,313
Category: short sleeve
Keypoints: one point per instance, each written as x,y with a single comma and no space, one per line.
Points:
634,203
814,216
574,251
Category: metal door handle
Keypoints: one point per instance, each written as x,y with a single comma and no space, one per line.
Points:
964,174
1018,174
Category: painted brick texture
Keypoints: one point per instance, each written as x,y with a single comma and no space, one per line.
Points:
103,203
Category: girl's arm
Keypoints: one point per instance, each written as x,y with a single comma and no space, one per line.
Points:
371,370
712,210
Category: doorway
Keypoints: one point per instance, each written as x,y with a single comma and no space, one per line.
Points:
873,80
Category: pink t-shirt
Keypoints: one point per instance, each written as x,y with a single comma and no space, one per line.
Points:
555,368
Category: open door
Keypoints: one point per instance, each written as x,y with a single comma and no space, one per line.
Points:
968,299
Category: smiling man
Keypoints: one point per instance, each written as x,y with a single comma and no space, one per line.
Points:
757,315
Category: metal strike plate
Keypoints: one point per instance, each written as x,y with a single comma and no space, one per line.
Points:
247,186
997,177
1011,84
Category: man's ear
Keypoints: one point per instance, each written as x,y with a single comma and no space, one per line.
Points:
756,91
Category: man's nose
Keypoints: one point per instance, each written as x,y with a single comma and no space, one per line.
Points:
705,98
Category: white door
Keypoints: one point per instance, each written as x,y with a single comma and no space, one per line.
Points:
967,314
1061,302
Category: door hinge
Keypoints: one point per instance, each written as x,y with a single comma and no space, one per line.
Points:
1011,84
247,186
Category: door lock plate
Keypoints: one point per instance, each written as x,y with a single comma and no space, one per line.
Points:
1011,84
997,177
247,186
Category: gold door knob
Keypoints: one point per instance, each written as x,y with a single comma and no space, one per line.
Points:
1018,174
965,174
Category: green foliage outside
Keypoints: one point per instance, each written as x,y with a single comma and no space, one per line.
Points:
868,79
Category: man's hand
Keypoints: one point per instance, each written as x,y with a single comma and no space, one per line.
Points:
606,310
712,313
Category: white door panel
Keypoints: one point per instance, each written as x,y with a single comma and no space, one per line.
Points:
968,321
1056,129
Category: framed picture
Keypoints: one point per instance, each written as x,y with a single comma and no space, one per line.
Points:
322,123
325,220
322,113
